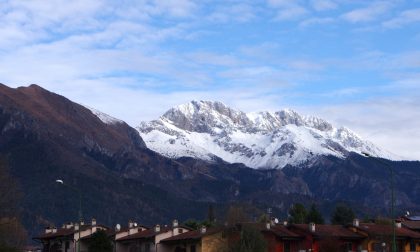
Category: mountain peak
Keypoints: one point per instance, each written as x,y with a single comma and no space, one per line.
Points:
206,129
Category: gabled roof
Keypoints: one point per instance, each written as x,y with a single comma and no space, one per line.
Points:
373,229
62,232
415,225
322,231
108,232
278,230
192,235
145,234
283,232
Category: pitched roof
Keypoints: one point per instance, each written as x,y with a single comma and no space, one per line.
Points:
145,234
192,235
411,224
328,231
108,233
278,230
62,232
373,229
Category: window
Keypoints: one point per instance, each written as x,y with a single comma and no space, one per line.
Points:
192,248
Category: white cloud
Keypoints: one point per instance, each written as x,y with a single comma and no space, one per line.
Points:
323,5
316,21
242,12
287,10
290,13
370,13
404,18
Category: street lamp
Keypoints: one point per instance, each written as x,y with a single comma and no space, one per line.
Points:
394,244
60,181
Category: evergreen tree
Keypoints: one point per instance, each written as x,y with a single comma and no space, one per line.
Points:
100,242
314,216
193,224
298,214
342,215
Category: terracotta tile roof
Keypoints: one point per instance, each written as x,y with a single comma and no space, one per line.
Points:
282,231
328,231
373,229
279,230
192,235
108,232
415,225
62,232
145,234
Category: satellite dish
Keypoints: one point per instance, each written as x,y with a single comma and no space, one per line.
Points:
135,224
118,226
276,221
59,181
408,213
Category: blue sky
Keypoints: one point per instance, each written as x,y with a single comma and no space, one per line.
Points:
353,62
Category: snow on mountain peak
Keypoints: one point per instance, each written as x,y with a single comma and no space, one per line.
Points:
206,129
105,118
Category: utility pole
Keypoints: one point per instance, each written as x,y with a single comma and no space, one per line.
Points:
391,170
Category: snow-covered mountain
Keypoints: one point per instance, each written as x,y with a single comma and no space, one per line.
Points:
205,130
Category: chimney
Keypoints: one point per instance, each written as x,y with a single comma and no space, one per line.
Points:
82,223
48,230
69,225
76,226
133,228
130,224
157,228
117,228
356,223
93,222
54,230
312,227
398,224
203,229
268,225
175,223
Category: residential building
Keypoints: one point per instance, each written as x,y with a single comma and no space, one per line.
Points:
379,237
202,240
319,237
71,237
147,240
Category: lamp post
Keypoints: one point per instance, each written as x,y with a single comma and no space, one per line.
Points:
394,244
60,181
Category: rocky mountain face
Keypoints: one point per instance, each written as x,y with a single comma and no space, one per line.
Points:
205,130
45,137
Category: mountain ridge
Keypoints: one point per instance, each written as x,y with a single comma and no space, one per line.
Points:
206,129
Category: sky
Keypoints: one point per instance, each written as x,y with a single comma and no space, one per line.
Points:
355,63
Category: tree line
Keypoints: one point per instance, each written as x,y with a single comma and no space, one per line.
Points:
341,215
